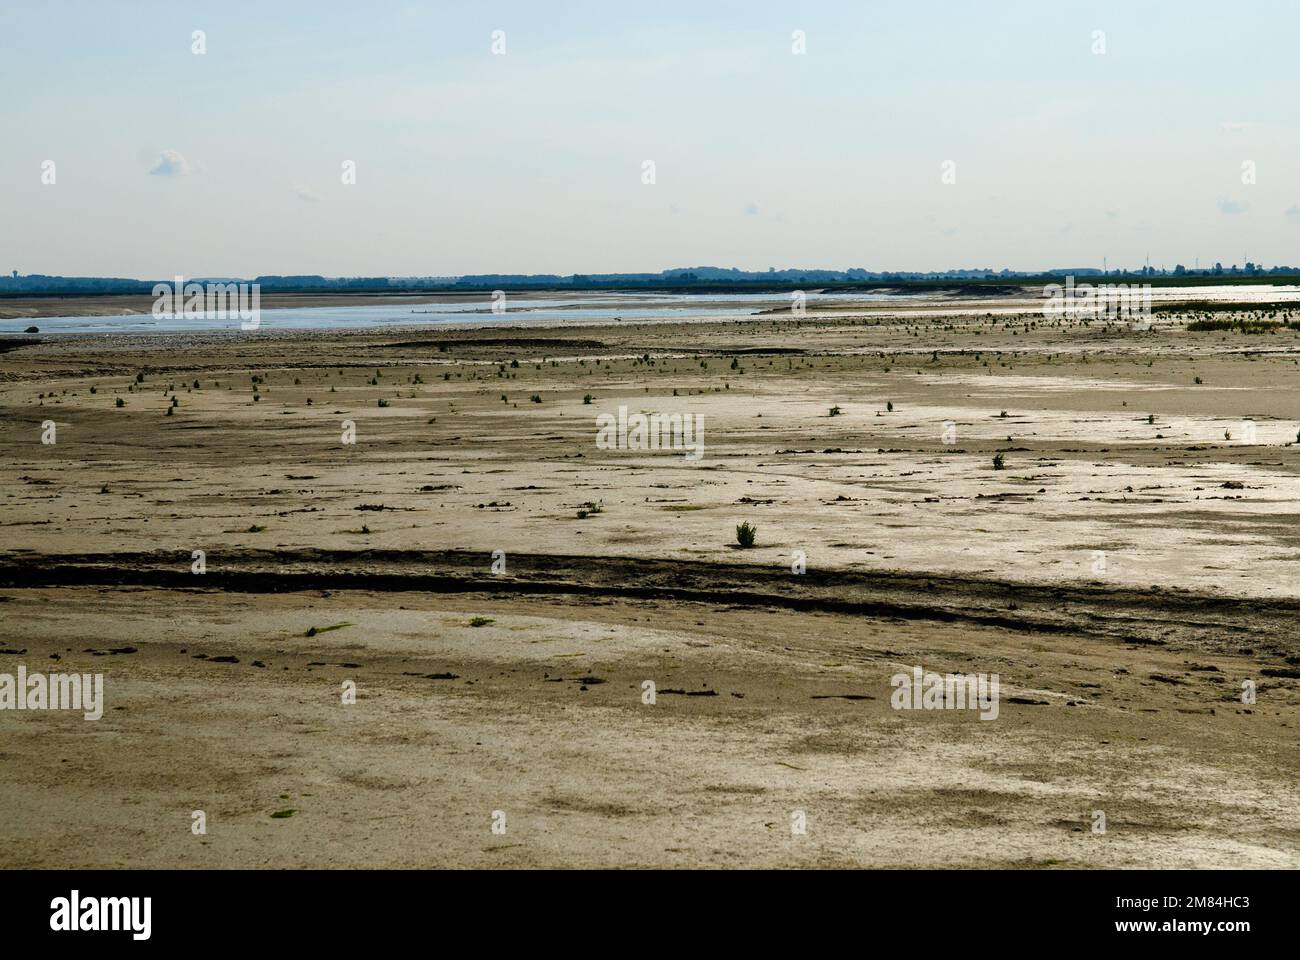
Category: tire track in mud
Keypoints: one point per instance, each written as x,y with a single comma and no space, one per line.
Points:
1159,617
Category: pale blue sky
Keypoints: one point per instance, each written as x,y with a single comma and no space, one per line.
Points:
468,162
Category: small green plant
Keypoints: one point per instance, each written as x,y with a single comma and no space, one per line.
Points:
834,412
745,534
889,406
1197,380
383,402
120,402
999,462
1151,418
481,621
536,398
587,399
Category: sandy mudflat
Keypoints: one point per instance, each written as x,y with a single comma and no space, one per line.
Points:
481,691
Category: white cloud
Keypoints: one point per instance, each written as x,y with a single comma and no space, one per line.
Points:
171,164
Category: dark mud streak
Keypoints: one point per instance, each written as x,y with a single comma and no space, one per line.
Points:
1117,614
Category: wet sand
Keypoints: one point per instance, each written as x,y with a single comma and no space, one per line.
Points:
1129,567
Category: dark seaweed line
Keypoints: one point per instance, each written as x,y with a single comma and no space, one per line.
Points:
146,570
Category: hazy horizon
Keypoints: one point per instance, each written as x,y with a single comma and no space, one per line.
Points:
229,162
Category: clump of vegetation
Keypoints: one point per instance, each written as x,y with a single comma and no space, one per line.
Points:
1197,380
536,398
587,399
589,509
256,528
481,621
1239,325
383,402
745,534
999,462
120,402
1151,418
889,406
834,412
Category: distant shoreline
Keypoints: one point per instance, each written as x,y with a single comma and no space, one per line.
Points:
339,290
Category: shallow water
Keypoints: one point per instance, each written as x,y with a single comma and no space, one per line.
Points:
589,307
578,309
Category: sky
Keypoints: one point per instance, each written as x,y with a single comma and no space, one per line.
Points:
531,158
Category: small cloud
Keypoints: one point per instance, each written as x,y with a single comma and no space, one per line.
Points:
305,193
1231,207
170,164
1292,214
751,209
1234,126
